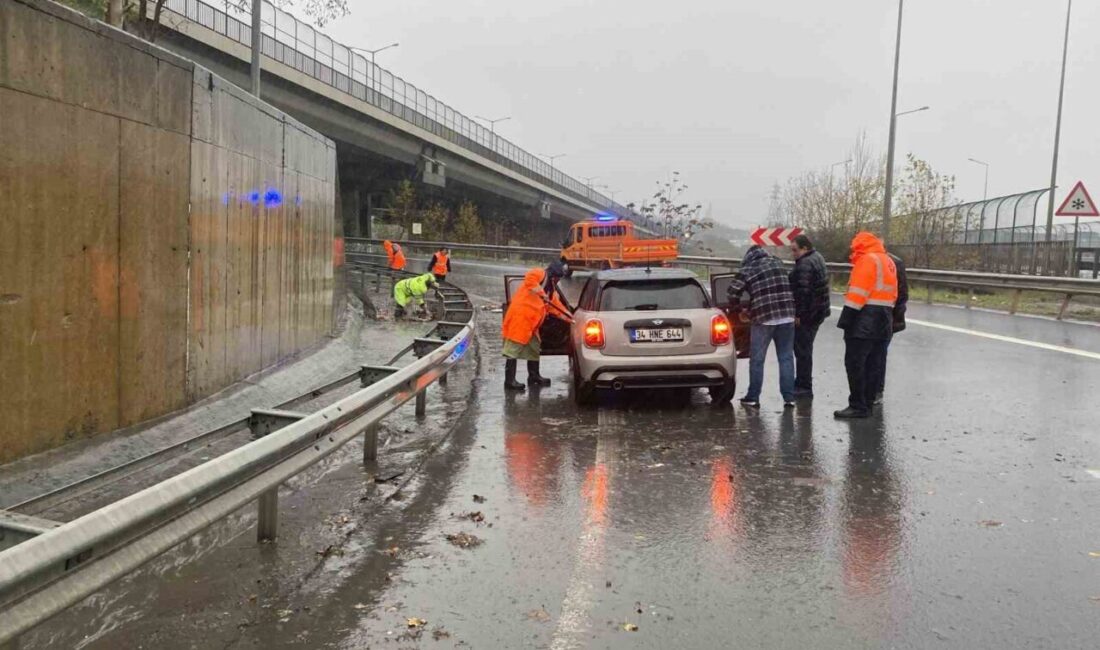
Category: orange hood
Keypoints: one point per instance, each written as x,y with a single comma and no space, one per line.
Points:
533,278
863,243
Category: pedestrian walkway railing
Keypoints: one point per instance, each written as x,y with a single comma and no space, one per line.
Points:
973,281
47,566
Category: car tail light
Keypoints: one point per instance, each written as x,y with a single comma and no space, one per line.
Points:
593,334
720,330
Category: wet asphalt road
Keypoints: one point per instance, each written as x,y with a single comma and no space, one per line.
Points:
965,515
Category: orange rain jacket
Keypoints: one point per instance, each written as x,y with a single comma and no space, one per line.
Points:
441,264
395,257
872,291
527,309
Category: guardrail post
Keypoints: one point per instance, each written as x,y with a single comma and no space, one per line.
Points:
422,403
267,527
1015,301
1065,305
261,423
370,445
930,289
970,297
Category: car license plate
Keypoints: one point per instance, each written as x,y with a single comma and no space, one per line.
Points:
657,335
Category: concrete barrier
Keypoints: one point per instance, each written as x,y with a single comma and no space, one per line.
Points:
162,233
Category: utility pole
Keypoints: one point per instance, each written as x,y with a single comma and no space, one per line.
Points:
893,133
1058,131
257,39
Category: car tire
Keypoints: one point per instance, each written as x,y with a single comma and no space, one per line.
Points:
722,395
584,392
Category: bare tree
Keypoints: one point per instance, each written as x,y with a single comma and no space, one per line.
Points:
833,208
927,221
670,213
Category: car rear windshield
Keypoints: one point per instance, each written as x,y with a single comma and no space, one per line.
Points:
653,295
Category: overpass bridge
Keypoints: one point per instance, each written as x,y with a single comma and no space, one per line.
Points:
386,129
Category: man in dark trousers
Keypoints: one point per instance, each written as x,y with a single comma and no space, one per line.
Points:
867,321
899,320
810,286
771,310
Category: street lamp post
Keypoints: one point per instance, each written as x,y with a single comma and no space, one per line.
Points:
373,65
257,38
893,132
985,195
492,122
551,159
1058,138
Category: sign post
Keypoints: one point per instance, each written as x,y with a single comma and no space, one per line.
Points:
1077,204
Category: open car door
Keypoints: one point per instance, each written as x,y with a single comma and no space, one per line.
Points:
554,333
719,284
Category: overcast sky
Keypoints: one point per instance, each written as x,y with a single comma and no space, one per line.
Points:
738,95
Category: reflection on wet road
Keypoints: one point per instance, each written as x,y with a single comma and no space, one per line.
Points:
962,517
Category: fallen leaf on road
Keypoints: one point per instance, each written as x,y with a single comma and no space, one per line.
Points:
477,517
630,627
464,540
361,606
540,615
991,523
392,551
1094,553
479,499
415,622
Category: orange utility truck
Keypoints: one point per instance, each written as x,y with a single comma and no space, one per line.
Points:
609,243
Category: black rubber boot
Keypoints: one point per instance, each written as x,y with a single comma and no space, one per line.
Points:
510,382
533,376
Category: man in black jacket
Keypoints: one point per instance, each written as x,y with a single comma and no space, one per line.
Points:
899,321
810,285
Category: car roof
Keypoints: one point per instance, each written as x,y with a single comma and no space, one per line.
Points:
640,273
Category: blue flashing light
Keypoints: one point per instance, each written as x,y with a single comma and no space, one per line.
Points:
460,350
604,217
226,198
272,198
254,197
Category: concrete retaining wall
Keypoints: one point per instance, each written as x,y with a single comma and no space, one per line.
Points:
162,233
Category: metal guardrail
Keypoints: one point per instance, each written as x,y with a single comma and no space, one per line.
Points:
289,41
55,565
972,280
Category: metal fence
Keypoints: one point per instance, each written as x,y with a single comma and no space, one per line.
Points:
296,44
47,566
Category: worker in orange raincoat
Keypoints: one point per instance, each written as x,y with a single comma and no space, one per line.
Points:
867,321
521,331
395,257
440,264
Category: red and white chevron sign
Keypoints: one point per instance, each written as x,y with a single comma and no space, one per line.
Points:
774,236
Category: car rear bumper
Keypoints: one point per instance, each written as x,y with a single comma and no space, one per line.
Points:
689,371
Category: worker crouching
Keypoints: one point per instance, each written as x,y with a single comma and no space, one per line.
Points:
520,330
412,290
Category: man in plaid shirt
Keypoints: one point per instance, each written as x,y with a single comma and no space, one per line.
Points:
771,310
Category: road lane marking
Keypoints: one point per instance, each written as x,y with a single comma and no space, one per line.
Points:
1008,339
1002,338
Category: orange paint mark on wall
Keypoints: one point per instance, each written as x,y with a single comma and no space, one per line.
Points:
338,251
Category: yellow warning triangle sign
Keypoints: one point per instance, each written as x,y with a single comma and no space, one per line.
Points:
1078,203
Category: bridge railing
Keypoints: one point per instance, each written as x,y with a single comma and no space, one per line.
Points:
300,46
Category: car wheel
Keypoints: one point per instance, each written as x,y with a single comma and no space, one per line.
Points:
722,395
584,392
